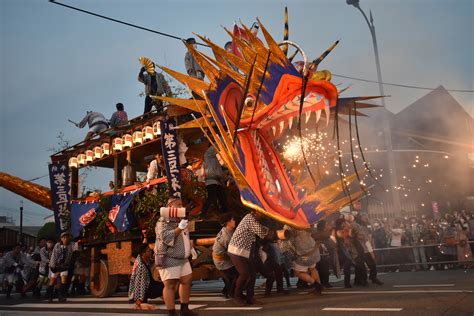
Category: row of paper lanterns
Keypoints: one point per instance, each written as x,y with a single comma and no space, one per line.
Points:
118,144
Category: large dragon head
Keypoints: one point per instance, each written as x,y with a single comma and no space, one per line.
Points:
254,94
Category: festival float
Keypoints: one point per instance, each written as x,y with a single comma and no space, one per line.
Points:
253,95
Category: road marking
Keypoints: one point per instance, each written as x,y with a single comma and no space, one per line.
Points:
90,306
398,292
199,298
232,308
424,285
361,309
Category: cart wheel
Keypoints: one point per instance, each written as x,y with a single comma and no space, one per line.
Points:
105,284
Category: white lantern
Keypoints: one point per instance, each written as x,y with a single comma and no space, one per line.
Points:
156,128
73,162
81,159
127,141
148,133
98,152
138,137
89,155
105,149
118,144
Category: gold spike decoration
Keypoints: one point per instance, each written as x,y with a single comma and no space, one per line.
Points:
194,84
330,192
184,103
321,75
272,45
223,56
148,64
209,70
193,123
337,205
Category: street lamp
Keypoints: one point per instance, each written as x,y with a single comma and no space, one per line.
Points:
386,125
21,222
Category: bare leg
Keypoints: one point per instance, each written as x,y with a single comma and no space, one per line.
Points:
304,276
185,288
168,293
314,275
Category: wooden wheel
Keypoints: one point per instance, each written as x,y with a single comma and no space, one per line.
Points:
104,284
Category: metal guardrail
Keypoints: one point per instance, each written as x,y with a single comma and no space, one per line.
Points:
435,247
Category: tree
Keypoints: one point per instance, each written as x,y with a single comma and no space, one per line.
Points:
48,231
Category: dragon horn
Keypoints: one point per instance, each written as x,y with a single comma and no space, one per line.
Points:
286,32
317,61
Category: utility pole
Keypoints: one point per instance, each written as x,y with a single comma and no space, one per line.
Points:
21,222
386,123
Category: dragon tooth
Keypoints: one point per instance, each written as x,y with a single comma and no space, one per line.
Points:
290,122
274,130
318,115
282,126
308,115
326,102
326,111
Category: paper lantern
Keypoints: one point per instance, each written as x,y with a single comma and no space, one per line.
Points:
118,144
89,155
127,141
156,128
81,159
148,133
138,137
105,149
98,152
73,162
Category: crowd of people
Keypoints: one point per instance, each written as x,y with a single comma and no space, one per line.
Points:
61,267
414,243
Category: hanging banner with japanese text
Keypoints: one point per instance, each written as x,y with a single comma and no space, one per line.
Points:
60,195
169,147
82,214
119,215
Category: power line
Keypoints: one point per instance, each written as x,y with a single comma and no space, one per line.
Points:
182,39
121,22
399,85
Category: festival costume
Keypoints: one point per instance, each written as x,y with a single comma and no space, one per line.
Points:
241,247
222,261
118,118
142,286
155,85
174,250
96,122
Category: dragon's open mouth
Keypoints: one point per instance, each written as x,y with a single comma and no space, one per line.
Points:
276,186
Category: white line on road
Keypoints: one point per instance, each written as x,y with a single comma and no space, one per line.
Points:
361,309
232,308
424,285
201,298
90,306
398,292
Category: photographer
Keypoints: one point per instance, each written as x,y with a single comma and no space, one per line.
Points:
172,250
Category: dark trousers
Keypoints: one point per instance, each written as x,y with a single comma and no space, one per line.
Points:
360,277
155,289
149,103
229,276
272,272
215,193
347,264
323,268
246,278
369,260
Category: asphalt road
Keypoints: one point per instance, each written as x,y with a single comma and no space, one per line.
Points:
430,293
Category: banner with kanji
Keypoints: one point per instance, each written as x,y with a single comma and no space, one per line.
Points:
169,147
60,195
82,214
119,215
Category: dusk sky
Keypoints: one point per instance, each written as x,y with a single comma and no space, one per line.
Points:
57,63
